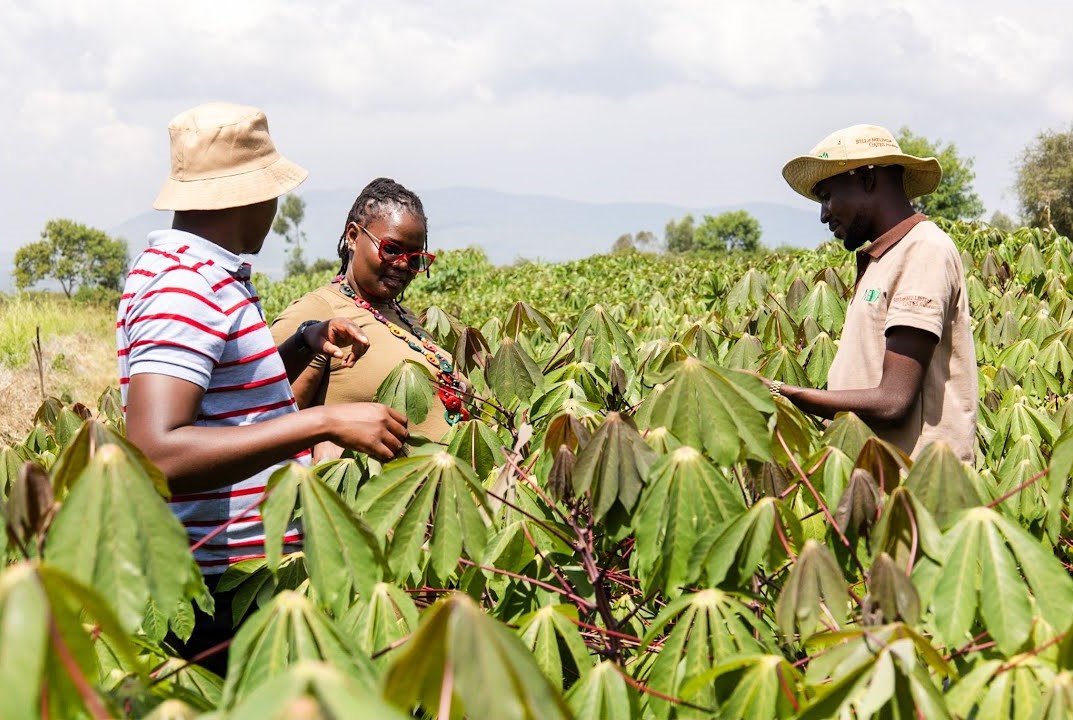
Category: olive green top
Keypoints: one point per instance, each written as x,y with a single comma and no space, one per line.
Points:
359,383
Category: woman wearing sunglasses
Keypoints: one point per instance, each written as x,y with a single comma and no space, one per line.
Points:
383,246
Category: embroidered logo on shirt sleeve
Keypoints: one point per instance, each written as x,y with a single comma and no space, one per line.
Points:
913,301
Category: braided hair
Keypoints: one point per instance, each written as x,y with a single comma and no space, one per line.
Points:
378,198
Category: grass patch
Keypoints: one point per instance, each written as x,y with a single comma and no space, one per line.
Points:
22,314
78,349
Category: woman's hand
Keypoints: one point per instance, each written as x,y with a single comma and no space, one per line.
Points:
329,337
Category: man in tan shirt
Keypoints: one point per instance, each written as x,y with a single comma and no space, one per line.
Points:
906,363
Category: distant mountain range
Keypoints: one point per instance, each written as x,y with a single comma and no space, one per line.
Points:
507,226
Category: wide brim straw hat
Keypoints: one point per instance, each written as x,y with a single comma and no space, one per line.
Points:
223,157
859,146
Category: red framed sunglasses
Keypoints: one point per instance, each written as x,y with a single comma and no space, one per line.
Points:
391,253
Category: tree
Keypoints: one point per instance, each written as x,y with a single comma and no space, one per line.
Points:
624,244
72,254
322,265
1045,181
678,236
955,198
734,230
288,223
645,240
1001,221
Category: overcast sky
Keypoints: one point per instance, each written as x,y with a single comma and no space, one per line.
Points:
696,102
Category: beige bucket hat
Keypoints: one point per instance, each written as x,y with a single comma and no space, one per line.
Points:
854,147
222,157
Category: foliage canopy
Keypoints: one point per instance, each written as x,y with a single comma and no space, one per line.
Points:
1045,181
73,255
955,198
728,231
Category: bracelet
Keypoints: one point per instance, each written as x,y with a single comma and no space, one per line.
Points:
300,343
776,388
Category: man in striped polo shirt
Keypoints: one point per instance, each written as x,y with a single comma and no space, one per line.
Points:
206,391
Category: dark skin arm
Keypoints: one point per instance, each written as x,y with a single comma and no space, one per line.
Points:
908,353
327,337
161,411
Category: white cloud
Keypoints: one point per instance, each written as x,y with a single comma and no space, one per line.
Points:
680,100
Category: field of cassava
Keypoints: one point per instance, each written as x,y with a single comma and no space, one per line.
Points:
628,528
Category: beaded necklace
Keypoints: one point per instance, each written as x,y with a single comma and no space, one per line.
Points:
450,387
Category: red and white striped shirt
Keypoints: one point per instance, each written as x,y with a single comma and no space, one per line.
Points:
189,311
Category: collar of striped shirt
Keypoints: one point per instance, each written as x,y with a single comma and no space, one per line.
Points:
203,249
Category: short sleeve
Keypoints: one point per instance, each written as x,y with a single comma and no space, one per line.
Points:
308,307
924,294
176,328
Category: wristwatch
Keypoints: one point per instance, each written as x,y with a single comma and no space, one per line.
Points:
776,388
300,343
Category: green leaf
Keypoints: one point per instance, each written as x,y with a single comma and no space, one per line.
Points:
722,414
459,653
408,388
986,551
609,340
848,433
750,544
23,641
957,592
544,631
49,624
825,306
312,689
513,374
613,465
1058,476
92,438
749,291
281,634
940,481
523,317
412,493
906,530
685,498
341,551
876,672
891,595
603,695
476,444
277,509
115,533
752,686
709,625
1007,615
380,619
814,595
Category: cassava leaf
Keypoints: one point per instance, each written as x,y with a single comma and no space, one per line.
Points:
408,388
613,465
458,645
684,499
814,595
548,629
342,553
725,415
412,493
289,630
603,694
513,374
115,533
